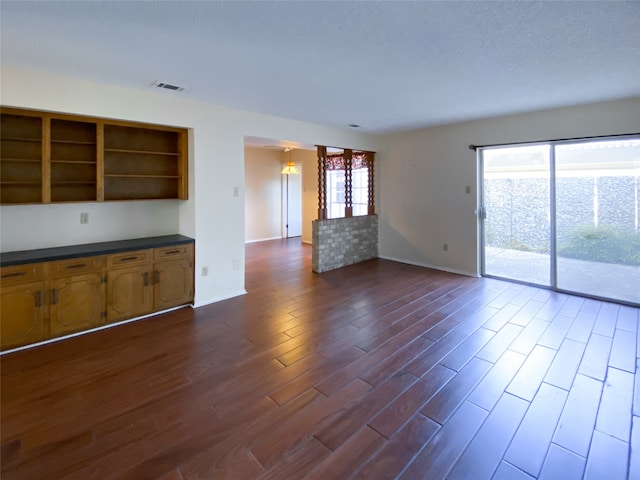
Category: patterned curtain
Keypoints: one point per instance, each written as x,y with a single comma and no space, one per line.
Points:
336,161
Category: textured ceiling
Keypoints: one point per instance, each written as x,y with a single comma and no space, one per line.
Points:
387,66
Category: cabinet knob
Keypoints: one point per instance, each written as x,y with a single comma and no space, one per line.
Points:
156,277
54,296
146,279
38,296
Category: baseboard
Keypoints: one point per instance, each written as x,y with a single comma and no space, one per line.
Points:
428,265
262,240
219,299
307,242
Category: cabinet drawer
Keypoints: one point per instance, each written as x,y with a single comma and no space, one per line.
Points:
75,265
138,257
176,251
21,273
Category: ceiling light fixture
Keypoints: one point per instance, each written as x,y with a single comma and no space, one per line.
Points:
354,125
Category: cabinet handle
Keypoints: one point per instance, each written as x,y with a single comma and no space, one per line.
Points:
77,265
157,276
15,274
38,298
172,252
128,259
54,296
146,279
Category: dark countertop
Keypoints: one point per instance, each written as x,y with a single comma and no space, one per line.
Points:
89,249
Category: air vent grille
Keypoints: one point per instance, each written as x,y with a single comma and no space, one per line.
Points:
168,86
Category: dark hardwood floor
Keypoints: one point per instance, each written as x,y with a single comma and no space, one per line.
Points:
375,371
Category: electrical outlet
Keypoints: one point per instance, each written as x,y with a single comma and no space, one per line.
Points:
236,264
84,218
467,189
236,191
205,271
445,247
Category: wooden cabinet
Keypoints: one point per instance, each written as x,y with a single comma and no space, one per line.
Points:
149,280
51,158
76,295
173,276
129,285
49,299
22,310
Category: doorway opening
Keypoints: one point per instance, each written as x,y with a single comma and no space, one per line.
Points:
278,205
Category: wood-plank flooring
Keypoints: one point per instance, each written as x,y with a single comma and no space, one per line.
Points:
375,371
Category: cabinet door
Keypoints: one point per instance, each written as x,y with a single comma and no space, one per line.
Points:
173,283
129,293
23,315
77,303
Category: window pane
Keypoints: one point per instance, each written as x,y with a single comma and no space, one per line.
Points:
336,192
598,236
516,228
360,197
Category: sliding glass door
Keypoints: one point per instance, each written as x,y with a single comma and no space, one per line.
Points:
598,239
516,212
564,215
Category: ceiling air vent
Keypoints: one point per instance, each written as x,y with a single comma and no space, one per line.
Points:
168,86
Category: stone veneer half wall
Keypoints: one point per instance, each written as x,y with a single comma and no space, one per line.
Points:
338,242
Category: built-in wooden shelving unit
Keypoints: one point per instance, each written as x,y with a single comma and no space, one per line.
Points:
50,158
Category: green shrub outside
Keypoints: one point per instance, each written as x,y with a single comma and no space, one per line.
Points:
604,244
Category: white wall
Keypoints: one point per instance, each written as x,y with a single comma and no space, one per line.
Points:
263,194
212,215
24,227
422,202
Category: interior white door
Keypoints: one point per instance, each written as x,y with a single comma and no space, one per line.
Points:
292,205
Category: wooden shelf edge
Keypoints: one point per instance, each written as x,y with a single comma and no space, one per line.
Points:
109,175
81,162
25,183
71,182
73,142
21,139
140,152
20,160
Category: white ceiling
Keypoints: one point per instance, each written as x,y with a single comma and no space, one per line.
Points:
387,66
